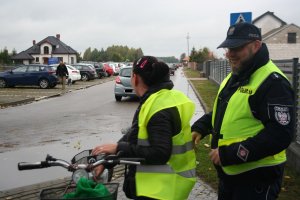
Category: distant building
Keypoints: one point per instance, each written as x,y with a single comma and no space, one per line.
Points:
45,50
281,38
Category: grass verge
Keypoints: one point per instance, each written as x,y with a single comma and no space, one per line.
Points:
208,90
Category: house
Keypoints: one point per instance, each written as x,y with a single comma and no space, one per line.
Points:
281,38
47,50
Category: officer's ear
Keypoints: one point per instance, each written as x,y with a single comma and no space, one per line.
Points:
257,45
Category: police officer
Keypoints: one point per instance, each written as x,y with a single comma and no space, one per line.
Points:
161,134
251,122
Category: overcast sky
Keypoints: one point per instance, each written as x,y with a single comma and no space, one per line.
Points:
158,27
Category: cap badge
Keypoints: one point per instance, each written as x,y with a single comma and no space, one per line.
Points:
231,31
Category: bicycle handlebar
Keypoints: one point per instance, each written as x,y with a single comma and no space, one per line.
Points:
50,162
36,165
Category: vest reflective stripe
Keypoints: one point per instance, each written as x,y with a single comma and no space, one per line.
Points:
178,149
176,179
165,169
143,142
238,126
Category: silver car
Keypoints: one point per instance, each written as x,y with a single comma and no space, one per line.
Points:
123,86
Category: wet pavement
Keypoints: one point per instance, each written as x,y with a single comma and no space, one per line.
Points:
200,191
56,145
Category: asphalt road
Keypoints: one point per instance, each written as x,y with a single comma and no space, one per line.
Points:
63,126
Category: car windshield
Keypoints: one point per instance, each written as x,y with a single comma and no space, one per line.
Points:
126,72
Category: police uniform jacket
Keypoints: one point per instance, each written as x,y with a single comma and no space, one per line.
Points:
275,137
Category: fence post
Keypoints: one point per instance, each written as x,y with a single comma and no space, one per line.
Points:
296,102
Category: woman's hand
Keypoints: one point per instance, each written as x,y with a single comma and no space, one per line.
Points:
97,171
105,148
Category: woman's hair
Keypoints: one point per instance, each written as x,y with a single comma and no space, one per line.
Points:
151,70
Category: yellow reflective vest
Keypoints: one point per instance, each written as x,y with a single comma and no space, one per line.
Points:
175,179
239,124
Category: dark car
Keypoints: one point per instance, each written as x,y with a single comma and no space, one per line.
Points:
100,70
123,86
33,74
172,69
87,71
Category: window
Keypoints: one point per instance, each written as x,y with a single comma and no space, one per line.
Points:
72,60
33,69
292,37
37,59
20,69
46,50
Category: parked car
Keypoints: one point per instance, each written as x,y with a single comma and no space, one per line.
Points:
40,75
172,69
108,69
87,71
74,74
100,70
115,67
123,86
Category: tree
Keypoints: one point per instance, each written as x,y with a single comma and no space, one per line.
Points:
94,56
201,55
182,56
4,56
87,54
113,53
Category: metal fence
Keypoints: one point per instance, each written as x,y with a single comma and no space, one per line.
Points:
219,69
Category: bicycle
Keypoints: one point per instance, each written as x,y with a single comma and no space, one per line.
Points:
81,166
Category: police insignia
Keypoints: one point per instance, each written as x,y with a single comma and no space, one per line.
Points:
282,115
231,31
243,153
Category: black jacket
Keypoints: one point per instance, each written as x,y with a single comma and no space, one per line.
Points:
161,128
274,138
62,70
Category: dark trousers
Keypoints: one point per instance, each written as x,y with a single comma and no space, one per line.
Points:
229,191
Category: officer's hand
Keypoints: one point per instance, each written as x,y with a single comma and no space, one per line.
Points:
196,137
214,156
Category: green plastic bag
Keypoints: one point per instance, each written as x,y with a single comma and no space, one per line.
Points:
87,188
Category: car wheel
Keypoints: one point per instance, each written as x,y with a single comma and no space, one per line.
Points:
44,83
2,83
73,82
118,98
84,77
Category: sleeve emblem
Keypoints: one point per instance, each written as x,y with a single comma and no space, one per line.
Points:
282,115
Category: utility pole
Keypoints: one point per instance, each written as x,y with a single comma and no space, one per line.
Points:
188,44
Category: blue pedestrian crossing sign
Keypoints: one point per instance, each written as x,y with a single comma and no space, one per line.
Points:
240,17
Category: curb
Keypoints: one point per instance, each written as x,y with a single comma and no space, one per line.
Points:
28,100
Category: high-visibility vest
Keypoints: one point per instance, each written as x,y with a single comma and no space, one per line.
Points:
177,177
239,124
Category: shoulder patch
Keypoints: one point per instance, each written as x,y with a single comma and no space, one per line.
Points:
282,115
